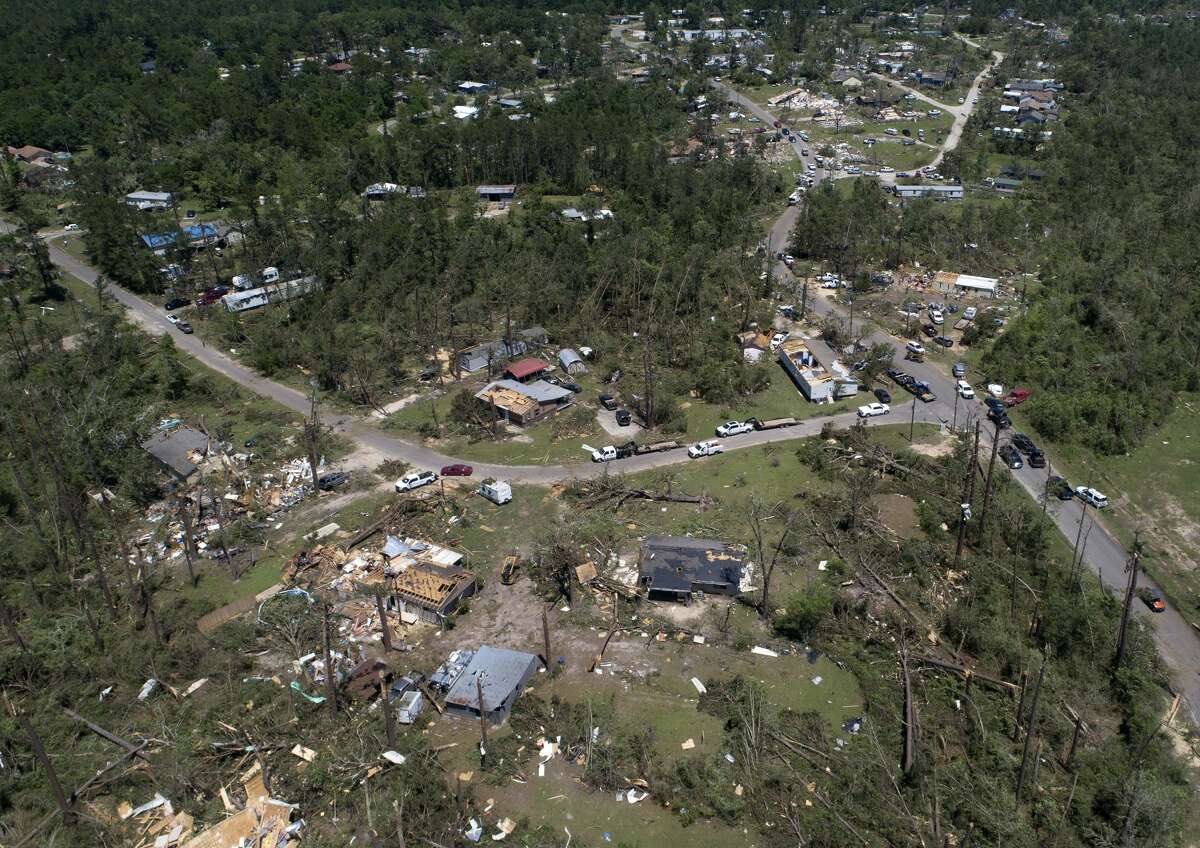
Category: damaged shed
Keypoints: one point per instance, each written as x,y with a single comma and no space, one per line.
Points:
673,568
178,450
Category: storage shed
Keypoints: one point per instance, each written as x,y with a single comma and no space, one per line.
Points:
571,361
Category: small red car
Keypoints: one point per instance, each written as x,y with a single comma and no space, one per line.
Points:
457,471
1016,396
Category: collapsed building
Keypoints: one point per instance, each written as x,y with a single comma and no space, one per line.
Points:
675,568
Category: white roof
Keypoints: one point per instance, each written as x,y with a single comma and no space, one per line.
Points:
465,112
967,281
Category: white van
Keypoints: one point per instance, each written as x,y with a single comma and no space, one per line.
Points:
1091,496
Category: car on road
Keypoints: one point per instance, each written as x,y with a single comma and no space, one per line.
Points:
177,303
776,124
174,319
964,390
1060,488
624,419
1011,457
608,402
185,328
804,152
959,370
994,405
734,428
944,341
1090,496
415,480
915,347
1023,443
332,480
1036,458
999,418
883,395
705,449
1152,599
873,409
457,470
887,169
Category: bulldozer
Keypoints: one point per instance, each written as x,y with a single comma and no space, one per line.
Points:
508,569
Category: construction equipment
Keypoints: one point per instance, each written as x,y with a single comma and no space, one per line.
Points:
508,569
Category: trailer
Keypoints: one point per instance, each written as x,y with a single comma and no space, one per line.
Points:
656,447
498,492
772,423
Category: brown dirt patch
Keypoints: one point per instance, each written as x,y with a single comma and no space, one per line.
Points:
898,513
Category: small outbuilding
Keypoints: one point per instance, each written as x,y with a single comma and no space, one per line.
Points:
496,193
524,370
499,675
571,361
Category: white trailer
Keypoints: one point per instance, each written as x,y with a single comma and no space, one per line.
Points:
498,492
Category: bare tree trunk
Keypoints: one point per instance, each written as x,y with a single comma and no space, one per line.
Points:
39,751
330,673
987,485
1030,730
1130,588
383,622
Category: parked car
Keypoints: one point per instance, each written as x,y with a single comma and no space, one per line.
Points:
415,480
185,328
1036,459
70,228
1060,488
177,303
705,449
944,341
970,312
624,419
935,315
1011,457
608,402
1152,599
929,330
994,405
1023,443
778,339
457,470
999,418
734,428
1017,396
332,480
873,409
883,395
174,319
914,347
1091,496
964,390
995,390
959,370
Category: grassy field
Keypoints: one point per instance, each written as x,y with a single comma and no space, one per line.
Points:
1152,489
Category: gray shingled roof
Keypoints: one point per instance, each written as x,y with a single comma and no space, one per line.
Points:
172,448
502,670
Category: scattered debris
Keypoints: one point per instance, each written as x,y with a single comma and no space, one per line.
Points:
688,744
147,689
699,686
306,754
763,652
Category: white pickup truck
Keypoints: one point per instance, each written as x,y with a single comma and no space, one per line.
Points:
705,449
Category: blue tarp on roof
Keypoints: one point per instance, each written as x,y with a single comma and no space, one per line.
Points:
192,232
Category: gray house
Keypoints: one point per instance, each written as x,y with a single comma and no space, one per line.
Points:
479,356
178,450
501,675
671,568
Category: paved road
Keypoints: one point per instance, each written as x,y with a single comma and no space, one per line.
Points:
1176,639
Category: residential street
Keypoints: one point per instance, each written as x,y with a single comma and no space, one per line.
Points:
1176,638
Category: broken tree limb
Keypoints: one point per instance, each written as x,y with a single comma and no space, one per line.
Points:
642,494
965,672
124,744
428,694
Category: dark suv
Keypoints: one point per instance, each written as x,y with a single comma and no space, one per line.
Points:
1011,457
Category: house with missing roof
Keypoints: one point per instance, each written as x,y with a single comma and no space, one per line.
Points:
425,579
178,451
524,403
674,568
499,675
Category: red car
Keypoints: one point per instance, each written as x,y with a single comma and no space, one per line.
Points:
1016,396
457,471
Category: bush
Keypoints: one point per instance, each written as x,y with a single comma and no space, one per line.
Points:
804,611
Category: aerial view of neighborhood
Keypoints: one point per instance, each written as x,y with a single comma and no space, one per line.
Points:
594,424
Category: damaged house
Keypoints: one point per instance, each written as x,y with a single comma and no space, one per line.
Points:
499,674
524,403
178,451
673,568
426,579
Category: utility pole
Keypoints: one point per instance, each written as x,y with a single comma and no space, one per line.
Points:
482,720
185,516
312,429
546,639
954,421
965,506
1031,729
1130,588
383,622
987,485
804,301
1078,536
912,421
389,720
330,678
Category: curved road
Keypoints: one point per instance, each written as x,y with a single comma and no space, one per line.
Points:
1175,637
